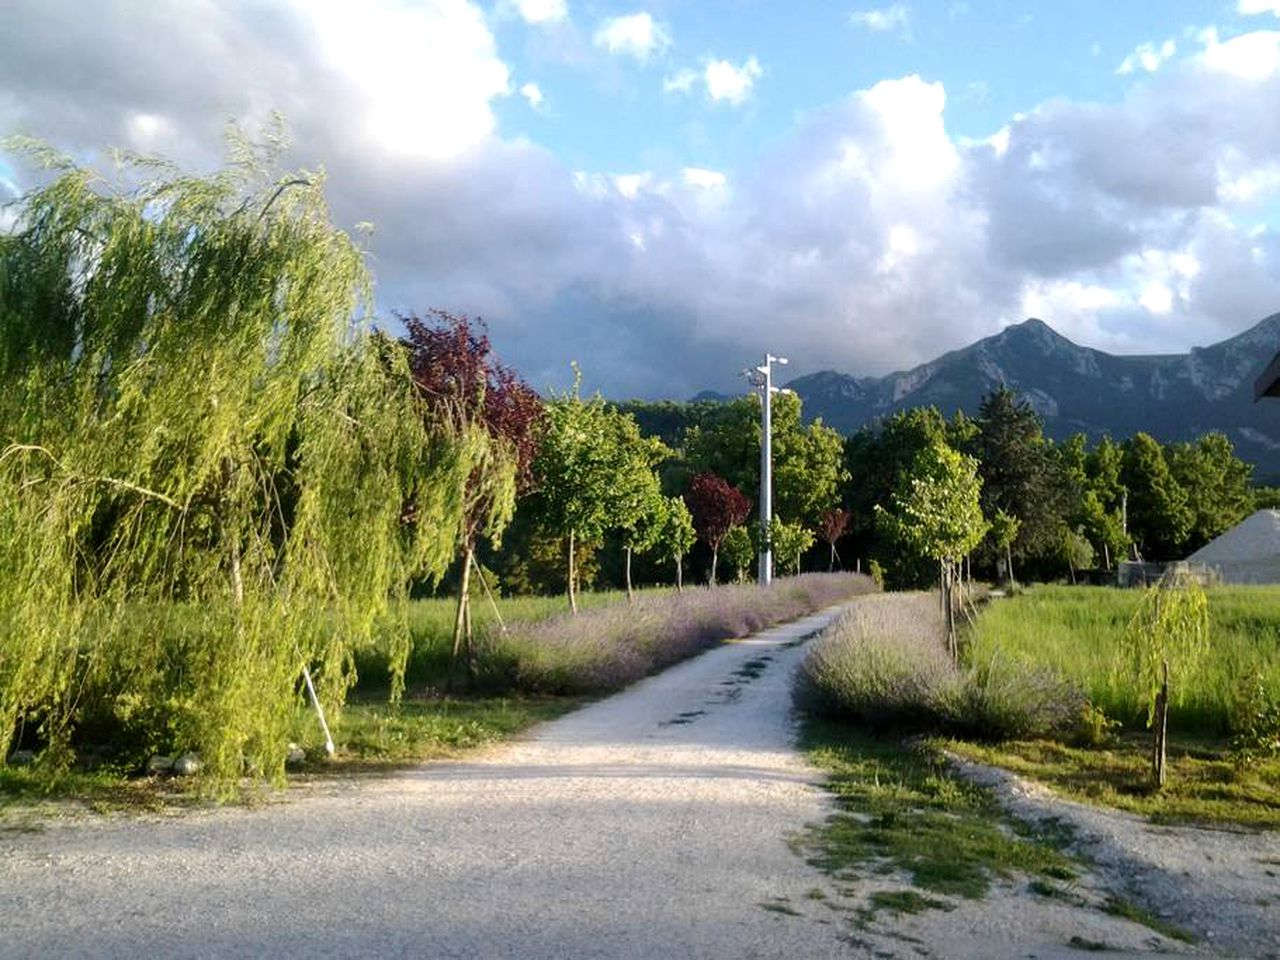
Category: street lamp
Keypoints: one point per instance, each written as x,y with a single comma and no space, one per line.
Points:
761,378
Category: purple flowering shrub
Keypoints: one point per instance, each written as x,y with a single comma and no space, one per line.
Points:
610,647
885,665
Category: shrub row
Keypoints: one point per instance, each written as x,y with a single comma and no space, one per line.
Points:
605,649
885,664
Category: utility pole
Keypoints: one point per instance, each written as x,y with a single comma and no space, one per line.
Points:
762,379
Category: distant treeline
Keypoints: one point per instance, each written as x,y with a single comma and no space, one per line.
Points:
1077,505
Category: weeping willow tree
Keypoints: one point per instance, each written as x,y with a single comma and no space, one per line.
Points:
206,483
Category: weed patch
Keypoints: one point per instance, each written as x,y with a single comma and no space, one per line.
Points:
902,813
1119,907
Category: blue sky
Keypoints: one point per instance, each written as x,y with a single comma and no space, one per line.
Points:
661,190
996,59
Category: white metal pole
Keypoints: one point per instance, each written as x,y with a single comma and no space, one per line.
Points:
766,472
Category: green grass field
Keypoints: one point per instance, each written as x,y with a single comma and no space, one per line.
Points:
1078,631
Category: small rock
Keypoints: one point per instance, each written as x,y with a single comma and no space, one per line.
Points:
160,765
22,758
295,755
187,765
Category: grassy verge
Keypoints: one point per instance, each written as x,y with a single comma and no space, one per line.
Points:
370,737
1203,787
1077,631
904,815
373,736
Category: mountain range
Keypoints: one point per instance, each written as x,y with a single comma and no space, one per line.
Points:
1080,390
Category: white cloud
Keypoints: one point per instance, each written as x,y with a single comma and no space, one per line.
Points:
732,83
721,80
884,19
542,11
629,185
704,179
390,54
1248,8
870,236
1251,56
635,34
533,93
682,81
1147,57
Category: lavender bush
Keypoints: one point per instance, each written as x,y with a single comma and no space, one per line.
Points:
885,664
608,648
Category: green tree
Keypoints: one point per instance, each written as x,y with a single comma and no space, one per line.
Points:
594,473
1103,528
1168,636
808,468
1159,515
879,458
1004,530
1103,503
677,535
936,512
1075,550
789,541
740,550
206,484
641,507
1216,483
1020,473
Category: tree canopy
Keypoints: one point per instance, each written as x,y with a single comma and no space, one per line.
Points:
200,441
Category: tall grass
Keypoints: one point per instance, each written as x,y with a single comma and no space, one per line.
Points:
607,648
1077,632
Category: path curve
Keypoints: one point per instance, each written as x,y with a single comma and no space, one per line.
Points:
650,824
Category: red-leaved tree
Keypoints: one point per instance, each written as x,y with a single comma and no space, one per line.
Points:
716,506
500,418
831,527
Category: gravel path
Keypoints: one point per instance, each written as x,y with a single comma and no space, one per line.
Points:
650,824
1221,885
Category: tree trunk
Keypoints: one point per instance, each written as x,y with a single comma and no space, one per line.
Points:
1106,554
473,666
573,599
631,597
464,593
1008,562
715,553
680,573
948,606
1161,731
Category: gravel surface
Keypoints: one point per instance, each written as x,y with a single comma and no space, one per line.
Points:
1221,885
651,824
